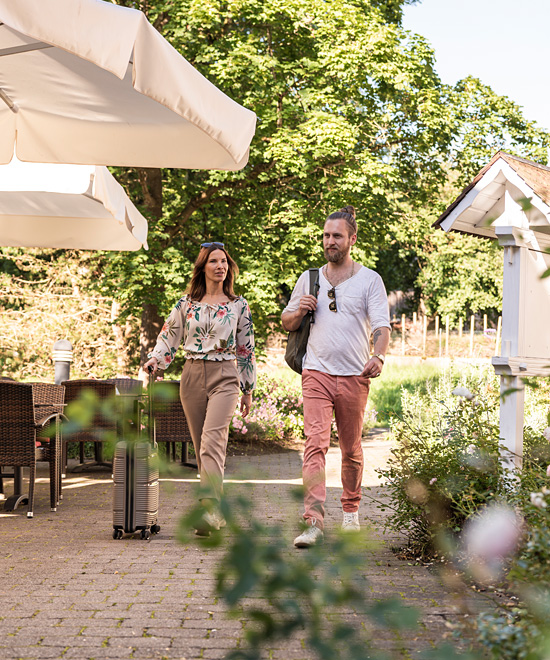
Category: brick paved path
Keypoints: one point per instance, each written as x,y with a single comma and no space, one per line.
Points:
68,590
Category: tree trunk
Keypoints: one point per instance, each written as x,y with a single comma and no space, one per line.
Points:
151,324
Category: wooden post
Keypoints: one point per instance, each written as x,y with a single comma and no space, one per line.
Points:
436,327
402,334
511,419
497,340
485,324
447,336
414,319
424,336
440,341
472,325
460,326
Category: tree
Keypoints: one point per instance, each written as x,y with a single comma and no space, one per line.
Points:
349,110
459,274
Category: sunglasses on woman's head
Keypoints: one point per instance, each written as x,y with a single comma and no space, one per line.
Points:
331,293
215,244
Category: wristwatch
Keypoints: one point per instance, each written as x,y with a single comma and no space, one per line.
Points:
381,357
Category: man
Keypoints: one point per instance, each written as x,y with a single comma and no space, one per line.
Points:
337,367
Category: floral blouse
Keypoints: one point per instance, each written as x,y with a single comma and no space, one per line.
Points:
210,332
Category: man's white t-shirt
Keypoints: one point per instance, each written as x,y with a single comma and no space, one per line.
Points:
339,341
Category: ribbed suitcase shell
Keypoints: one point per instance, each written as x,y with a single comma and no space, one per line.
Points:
136,486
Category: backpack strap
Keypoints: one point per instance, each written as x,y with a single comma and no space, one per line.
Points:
313,287
314,281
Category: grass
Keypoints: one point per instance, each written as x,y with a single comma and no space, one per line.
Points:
385,392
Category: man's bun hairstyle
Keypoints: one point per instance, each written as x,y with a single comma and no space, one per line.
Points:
347,214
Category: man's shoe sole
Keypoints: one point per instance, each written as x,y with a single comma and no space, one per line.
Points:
305,544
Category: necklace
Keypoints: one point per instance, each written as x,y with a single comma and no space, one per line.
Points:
325,273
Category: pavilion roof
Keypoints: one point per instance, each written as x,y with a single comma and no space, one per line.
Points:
481,203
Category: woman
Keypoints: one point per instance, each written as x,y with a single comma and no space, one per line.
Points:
215,327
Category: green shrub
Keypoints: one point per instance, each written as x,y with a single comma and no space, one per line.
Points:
445,461
277,412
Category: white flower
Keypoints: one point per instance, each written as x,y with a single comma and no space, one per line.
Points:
433,480
546,433
537,499
463,391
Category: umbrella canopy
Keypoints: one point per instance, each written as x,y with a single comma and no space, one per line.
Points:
67,206
87,81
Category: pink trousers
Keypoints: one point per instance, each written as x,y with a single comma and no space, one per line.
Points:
347,397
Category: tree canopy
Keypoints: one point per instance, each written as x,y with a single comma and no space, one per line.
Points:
350,111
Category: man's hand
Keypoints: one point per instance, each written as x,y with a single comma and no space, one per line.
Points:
308,303
246,402
292,320
373,368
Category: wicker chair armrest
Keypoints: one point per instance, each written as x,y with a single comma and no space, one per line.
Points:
42,421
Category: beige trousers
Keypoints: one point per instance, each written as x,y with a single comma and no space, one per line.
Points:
209,392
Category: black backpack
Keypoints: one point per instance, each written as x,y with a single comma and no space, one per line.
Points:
296,344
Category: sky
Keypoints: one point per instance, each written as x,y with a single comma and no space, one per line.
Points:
504,43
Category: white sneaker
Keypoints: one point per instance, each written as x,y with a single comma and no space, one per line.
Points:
211,520
310,536
351,521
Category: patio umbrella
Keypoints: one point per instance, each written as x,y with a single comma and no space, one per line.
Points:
67,206
87,81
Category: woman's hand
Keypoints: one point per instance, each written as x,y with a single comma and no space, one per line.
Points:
153,362
246,402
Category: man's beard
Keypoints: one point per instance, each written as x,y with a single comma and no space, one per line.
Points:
336,256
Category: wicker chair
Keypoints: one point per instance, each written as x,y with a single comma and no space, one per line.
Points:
26,411
127,385
170,422
100,427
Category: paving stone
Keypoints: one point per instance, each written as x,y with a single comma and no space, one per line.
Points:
68,590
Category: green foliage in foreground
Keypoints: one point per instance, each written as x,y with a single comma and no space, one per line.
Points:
283,592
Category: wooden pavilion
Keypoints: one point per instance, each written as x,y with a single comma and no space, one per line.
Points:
509,201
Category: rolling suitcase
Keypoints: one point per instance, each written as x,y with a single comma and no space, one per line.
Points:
136,482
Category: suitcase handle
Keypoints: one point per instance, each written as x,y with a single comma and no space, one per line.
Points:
152,434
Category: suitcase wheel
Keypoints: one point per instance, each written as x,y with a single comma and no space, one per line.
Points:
145,534
155,529
117,533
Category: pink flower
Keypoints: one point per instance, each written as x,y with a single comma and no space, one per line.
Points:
548,471
433,480
244,430
243,351
490,537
